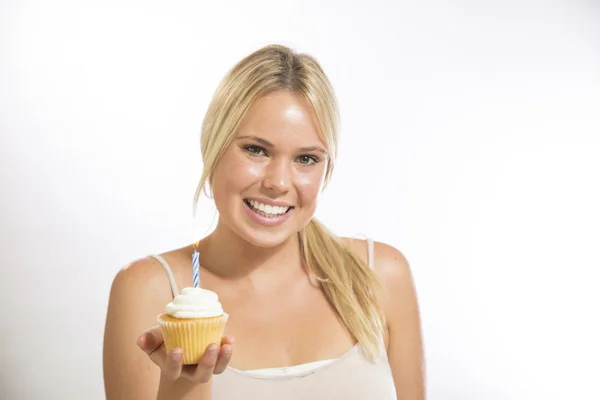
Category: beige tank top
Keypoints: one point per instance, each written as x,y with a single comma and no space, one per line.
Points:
349,377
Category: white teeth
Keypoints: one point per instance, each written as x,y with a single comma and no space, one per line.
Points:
268,209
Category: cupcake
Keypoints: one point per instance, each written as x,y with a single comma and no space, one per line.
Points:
192,321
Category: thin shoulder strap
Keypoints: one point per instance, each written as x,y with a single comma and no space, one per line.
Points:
371,253
168,271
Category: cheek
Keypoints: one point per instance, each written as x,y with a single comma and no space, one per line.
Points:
236,174
310,186
250,171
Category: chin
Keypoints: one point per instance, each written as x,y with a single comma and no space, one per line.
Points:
265,237
266,241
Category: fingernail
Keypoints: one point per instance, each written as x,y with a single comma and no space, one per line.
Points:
177,355
213,350
227,350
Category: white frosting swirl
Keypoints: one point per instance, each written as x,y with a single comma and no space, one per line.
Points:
195,303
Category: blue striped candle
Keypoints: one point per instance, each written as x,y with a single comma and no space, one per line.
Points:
196,268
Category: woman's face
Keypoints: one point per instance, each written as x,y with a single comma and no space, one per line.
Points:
267,183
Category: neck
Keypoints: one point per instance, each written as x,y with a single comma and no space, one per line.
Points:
228,255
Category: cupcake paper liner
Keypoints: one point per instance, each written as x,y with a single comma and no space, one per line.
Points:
192,335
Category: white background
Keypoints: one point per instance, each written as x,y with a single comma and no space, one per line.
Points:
470,141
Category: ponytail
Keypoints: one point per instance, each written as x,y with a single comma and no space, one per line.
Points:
348,283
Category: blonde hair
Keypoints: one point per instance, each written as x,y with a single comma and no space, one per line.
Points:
348,283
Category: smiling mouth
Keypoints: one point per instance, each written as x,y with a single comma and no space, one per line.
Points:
267,210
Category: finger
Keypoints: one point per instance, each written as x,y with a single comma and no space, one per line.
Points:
150,340
224,358
206,366
172,366
227,340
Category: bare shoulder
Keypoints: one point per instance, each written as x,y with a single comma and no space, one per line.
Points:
390,264
395,275
138,294
142,275
147,277
399,297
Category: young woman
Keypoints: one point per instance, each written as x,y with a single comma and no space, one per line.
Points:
314,316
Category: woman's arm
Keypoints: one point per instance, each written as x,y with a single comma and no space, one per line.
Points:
405,347
138,294
136,364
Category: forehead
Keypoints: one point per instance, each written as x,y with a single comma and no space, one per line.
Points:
281,117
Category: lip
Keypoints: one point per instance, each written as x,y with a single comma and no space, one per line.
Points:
269,202
264,221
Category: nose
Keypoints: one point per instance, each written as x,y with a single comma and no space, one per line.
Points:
278,177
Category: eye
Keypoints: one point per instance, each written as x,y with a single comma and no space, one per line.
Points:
254,150
307,160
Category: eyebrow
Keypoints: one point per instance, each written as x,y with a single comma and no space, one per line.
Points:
266,143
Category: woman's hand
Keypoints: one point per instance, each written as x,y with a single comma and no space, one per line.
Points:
214,361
